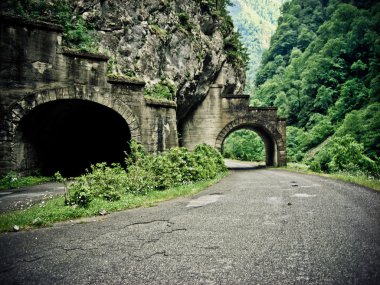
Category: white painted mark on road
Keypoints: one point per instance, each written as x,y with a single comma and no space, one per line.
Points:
304,195
203,200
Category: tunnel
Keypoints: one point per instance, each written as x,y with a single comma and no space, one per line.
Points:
68,136
268,140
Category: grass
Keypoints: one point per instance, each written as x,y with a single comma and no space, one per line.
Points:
51,211
11,181
361,180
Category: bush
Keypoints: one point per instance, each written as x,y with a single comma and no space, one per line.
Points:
210,160
162,90
180,166
145,173
78,33
80,192
139,180
101,181
344,154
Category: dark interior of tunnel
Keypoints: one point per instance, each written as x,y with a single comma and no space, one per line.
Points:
70,135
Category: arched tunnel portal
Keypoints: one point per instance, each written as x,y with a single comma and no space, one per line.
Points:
68,136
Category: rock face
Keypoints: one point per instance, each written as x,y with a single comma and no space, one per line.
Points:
160,39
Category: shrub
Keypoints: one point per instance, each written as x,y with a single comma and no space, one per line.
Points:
210,160
101,181
139,180
184,20
145,173
179,166
80,192
162,90
78,33
344,154
9,180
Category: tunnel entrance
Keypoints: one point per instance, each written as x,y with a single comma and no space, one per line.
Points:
68,136
244,145
270,145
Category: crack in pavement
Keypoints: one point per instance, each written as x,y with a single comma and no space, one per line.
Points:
141,258
33,259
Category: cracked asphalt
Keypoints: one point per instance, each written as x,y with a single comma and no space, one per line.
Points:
254,227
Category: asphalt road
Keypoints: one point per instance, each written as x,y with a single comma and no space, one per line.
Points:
22,198
254,227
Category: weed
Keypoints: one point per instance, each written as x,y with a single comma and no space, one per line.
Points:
13,180
162,90
159,31
357,178
78,33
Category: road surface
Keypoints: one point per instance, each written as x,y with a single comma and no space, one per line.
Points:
254,227
22,198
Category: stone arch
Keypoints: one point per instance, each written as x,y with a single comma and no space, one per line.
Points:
269,134
32,104
19,109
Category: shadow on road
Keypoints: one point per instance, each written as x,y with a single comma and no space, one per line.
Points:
246,167
243,165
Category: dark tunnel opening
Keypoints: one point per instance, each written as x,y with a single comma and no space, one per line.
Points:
70,135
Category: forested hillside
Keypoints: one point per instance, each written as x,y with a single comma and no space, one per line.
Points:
256,21
322,71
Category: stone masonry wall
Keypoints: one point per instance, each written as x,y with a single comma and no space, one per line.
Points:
220,114
36,69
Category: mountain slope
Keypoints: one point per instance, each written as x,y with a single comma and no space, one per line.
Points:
322,71
256,21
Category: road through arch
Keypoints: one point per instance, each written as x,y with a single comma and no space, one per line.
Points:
270,138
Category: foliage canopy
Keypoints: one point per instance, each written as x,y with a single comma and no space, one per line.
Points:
322,71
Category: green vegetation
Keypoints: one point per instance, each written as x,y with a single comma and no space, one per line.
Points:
163,90
13,180
359,179
158,31
51,211
236,53
184,20
256,21
147,179
244,145
322,71
145,173
78,34
343,154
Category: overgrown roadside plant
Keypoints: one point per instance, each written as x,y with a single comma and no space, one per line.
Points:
145,173
13,180
163,90
344,154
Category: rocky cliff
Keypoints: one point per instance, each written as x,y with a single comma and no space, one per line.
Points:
182,42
